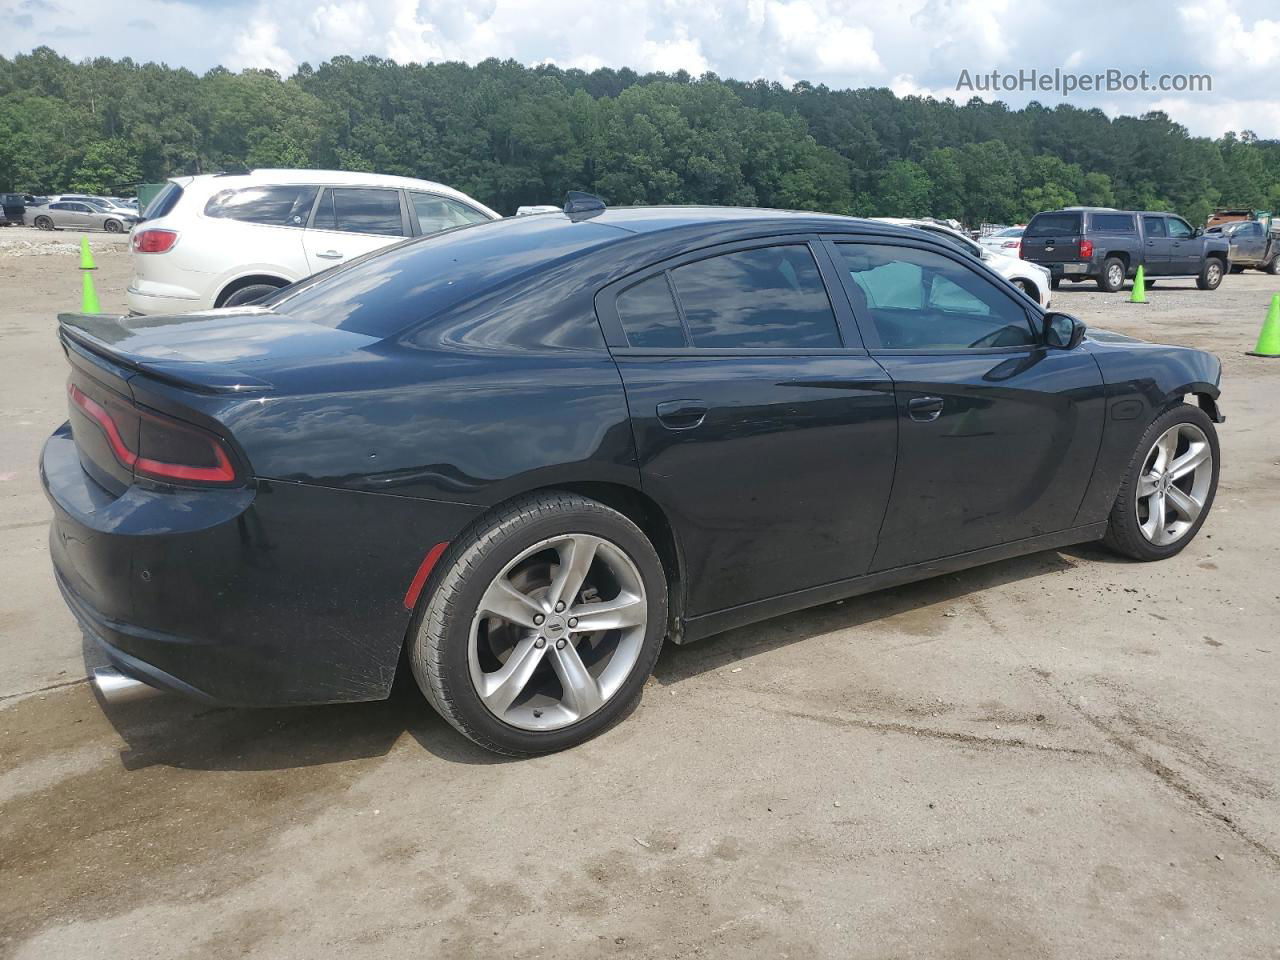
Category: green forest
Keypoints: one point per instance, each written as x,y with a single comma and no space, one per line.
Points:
510,134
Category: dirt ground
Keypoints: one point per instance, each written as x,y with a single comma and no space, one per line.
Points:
1057,756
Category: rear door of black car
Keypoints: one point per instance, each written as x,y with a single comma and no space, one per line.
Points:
762,425
997,434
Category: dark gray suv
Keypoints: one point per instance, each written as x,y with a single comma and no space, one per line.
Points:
1108,246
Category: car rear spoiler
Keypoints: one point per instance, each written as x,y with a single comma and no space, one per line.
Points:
98,333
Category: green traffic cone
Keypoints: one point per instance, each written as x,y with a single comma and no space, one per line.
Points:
1139,294
86,255
89,300
1269,338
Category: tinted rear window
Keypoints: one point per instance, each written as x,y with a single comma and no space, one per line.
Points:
648,314
360,210
1054,225
769,297
1113,222
402,285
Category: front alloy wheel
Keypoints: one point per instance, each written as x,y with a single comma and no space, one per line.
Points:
1174,484
1169,488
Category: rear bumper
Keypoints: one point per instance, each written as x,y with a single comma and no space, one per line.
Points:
277,594
1070,268
150,297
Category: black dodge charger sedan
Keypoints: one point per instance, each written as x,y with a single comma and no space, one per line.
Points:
521,454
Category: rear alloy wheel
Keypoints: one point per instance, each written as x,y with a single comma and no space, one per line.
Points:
113,226
1170,486
1112,277
541,625
44,223
1210,275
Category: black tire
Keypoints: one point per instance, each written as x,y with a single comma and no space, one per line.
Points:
439,639
1236,268
113,226
1123,533
1273,267
1210,274
43,223
1148,283
1112,268
250,294
1055,283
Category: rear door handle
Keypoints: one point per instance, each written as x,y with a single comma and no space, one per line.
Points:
924,409
329,255
682,414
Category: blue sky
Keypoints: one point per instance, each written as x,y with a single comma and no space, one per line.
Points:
912,46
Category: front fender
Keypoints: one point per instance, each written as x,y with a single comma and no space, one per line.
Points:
1141,379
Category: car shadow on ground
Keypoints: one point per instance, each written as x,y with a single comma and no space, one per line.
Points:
170,731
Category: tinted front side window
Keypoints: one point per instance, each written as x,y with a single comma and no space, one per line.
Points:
277,206
649,316
360,211
1054,225
768,297
917,299
1113,223
440,213
1154,226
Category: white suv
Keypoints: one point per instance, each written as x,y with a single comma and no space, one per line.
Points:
223,240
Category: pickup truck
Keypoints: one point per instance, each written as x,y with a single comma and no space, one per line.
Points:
1108,246
1254,243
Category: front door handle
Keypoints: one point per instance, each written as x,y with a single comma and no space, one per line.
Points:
925,409
682,414
329,255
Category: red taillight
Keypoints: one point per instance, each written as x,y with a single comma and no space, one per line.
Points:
154,240
1086,249
168,450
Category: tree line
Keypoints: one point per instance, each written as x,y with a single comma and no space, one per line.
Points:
509,134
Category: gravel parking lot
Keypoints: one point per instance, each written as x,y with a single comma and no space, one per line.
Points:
1062,755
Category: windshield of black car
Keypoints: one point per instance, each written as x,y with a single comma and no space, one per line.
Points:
1054,225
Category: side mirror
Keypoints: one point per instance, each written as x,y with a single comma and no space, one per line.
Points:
1063,331
1199,231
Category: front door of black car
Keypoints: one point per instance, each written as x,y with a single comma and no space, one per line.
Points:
767,437
997,433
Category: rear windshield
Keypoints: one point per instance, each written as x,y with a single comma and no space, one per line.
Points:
401,285
1054,225
162,203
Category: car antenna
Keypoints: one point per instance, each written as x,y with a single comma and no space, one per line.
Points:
581,206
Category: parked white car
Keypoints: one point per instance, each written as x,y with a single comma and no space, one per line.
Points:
1031,278
221,240
1007,241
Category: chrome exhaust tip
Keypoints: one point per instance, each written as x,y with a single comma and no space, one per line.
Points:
115,687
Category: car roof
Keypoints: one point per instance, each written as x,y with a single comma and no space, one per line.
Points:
214,182
657,218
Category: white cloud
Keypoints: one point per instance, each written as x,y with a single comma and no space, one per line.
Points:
258,46
913,46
